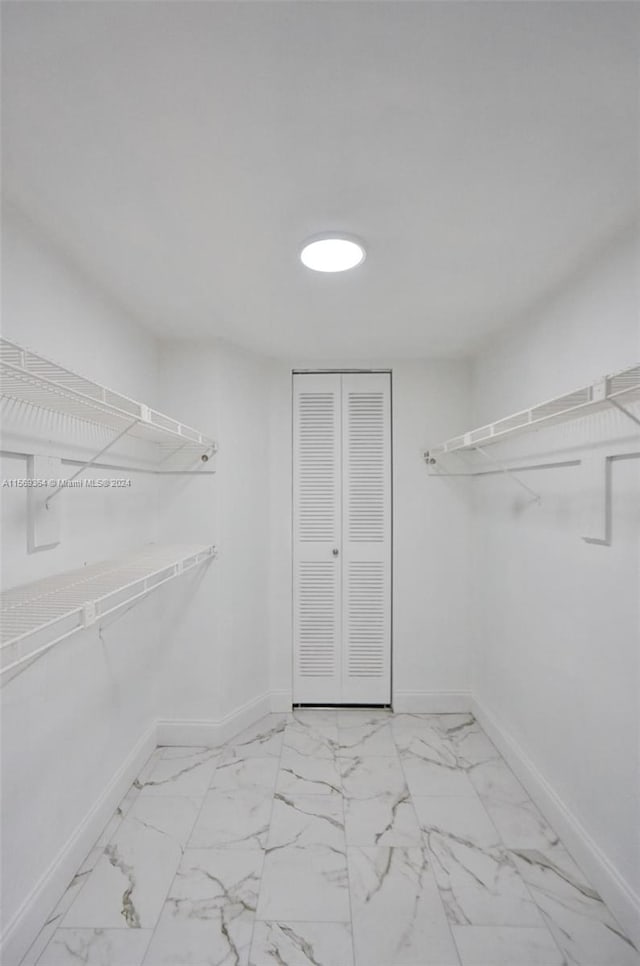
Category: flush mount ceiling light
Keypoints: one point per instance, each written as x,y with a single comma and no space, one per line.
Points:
332,253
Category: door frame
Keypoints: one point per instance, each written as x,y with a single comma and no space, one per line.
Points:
345,370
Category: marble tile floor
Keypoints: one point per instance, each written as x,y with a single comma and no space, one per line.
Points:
332,838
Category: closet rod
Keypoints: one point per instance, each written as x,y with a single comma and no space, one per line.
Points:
520,469
13,454
534,466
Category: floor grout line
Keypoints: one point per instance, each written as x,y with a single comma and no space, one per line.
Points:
264,851
427,850
173,879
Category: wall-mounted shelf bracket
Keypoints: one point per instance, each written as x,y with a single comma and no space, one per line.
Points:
89,463
596,482
499,467
623,409
509,472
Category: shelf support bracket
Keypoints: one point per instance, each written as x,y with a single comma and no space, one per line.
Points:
90,462
623,409
597,513
505,469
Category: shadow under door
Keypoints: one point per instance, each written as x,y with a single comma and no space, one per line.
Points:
342,538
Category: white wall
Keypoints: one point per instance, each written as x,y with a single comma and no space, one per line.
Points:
221,640
556,623
431,534
70,720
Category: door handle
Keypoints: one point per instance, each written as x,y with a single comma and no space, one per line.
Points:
335,551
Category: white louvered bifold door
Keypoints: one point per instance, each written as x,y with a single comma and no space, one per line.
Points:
316,535
366,539
342,538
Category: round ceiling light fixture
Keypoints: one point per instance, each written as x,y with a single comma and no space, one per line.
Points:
332,252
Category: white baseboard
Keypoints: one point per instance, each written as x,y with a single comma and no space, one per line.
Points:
431,702
194,731
622,900
28,920
281,701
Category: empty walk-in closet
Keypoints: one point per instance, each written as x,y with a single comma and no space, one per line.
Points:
320,499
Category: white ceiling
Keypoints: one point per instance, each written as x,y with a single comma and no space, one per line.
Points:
181,151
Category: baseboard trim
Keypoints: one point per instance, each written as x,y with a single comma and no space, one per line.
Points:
432,702
27,922
622,900
195,731
281,701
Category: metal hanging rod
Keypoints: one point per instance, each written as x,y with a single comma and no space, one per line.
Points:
553,465
68,461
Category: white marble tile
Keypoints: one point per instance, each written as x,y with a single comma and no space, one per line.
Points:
306,884
470,743
303,820
506,946
382,820
450,740
307,775
250,773
419,733
364,777
378,809
521,825
264,739
233,819
368,738
209,913
427,777
180,771
208,880
477,879
454,726
301,944
397,912
466,819
129,882
581,924
495,782
515,816
96,947
313,736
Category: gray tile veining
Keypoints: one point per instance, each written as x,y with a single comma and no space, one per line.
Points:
331,838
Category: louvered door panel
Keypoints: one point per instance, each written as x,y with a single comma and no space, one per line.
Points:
366,547
316,533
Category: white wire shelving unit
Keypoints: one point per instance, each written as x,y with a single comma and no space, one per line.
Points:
611,391
34,617
38,382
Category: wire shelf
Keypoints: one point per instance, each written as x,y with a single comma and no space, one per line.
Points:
36,381
36,616
620,387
